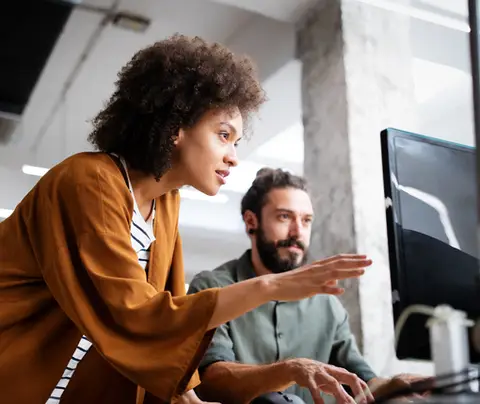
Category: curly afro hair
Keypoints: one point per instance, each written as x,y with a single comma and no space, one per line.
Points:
166,87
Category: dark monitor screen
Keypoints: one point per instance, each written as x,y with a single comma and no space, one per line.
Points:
431,194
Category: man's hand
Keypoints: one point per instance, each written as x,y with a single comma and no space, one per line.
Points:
317,376
191,398
381,387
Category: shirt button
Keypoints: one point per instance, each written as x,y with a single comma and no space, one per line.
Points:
280,335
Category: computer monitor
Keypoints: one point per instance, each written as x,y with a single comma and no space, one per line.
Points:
431,199
474,22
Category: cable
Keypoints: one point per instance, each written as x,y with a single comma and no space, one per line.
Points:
413,309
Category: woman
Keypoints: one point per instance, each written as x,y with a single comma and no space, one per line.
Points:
92,297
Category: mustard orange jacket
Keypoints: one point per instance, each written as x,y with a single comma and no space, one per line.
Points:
67,269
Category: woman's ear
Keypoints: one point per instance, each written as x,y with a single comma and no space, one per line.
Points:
179,137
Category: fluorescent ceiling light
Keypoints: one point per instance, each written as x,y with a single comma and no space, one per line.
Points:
287,146
132,22
5,212
194,194
33,170
419,14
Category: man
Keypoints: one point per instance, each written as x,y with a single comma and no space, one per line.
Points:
302,347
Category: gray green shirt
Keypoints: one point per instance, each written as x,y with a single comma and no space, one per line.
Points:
315,328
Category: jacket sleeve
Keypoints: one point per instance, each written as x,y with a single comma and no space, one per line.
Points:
83,247
221,347
177,285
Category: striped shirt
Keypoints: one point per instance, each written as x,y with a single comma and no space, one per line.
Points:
141,235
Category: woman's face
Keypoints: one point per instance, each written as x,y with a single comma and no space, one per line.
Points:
205,152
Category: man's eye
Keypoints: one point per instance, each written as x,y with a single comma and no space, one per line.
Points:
224,135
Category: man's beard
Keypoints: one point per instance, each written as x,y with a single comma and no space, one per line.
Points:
269,254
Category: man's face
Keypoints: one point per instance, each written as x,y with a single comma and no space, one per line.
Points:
283,234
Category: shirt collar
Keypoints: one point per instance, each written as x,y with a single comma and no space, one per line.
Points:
245,267
245,271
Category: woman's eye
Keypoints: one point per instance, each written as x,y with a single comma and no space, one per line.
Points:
224,135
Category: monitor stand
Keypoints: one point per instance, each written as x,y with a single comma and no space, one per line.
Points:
449,346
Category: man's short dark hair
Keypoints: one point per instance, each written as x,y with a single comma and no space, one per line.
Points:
166,87
268,179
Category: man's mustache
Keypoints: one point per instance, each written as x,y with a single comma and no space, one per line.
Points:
291,242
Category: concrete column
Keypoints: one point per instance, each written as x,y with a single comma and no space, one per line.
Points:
356,80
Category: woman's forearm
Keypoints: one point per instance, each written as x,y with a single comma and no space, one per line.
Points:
239,298
319,277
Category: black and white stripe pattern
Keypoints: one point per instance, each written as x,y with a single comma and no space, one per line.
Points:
80,351
141,235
